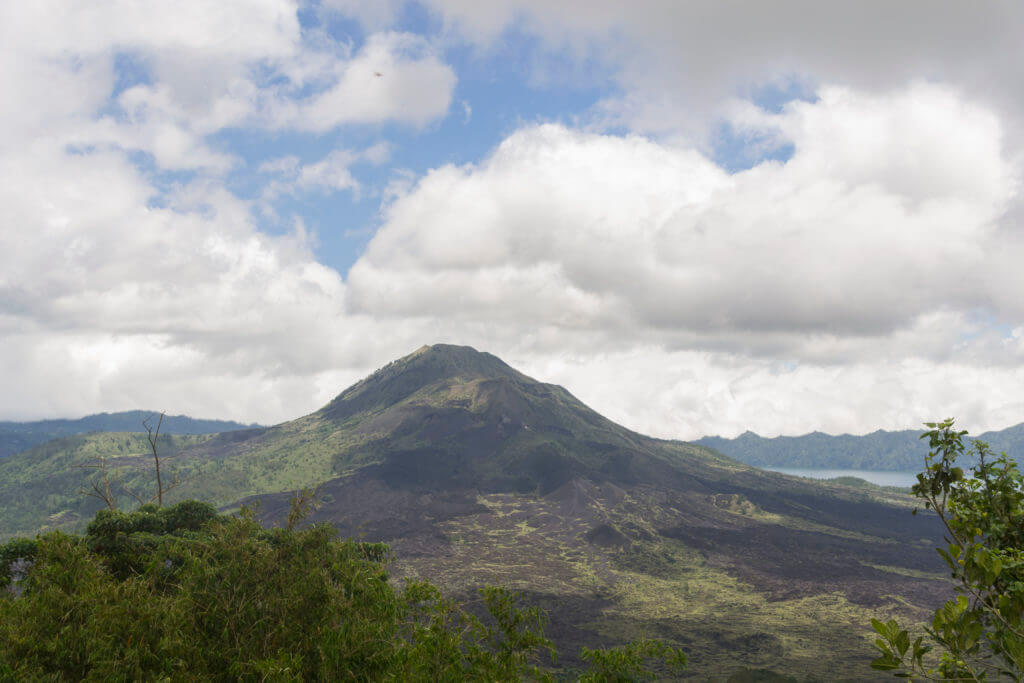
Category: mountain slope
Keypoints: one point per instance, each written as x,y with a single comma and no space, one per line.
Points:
476,474
881,450
20,436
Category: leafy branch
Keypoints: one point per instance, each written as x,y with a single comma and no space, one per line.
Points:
979,634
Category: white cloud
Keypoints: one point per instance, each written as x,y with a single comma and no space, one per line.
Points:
59,60
870,281
288,165
889,205
676,63
330,174
851,288
119,287
687,394
109,300
202,67
393,77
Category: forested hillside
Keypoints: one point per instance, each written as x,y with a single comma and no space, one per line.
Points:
901,451
20,436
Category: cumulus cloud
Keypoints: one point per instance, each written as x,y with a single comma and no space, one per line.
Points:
120,287
332,173
857,275
687,394
889,206
199,68
91,254
676,63
193,59
869,281
394,77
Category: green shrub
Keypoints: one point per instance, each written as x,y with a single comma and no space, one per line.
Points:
979,635
182,593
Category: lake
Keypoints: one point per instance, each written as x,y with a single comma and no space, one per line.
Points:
880,477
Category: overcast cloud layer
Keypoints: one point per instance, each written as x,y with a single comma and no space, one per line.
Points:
860,271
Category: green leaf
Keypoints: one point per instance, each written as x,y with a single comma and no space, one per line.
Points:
884,664
902,643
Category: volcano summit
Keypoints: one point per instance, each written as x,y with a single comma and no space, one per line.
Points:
477,474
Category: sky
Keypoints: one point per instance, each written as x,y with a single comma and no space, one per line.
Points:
700,217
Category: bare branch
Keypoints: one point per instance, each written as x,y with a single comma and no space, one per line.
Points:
154,435
105,494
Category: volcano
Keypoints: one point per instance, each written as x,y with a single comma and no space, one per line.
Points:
477,474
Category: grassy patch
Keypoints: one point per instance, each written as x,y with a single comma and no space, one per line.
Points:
911,573
722,621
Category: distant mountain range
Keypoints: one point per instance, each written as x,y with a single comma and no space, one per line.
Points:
476,474
892,451
19,436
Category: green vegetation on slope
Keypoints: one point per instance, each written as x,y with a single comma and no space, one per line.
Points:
607,576
42,488
442,416
476,474
16,437
180,593
901,451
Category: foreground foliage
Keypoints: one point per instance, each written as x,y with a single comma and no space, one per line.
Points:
979,635
181,592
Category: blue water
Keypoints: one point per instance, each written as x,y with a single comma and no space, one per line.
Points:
880,477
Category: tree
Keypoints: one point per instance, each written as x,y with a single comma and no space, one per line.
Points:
183,593
103,487
978,635
153,436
